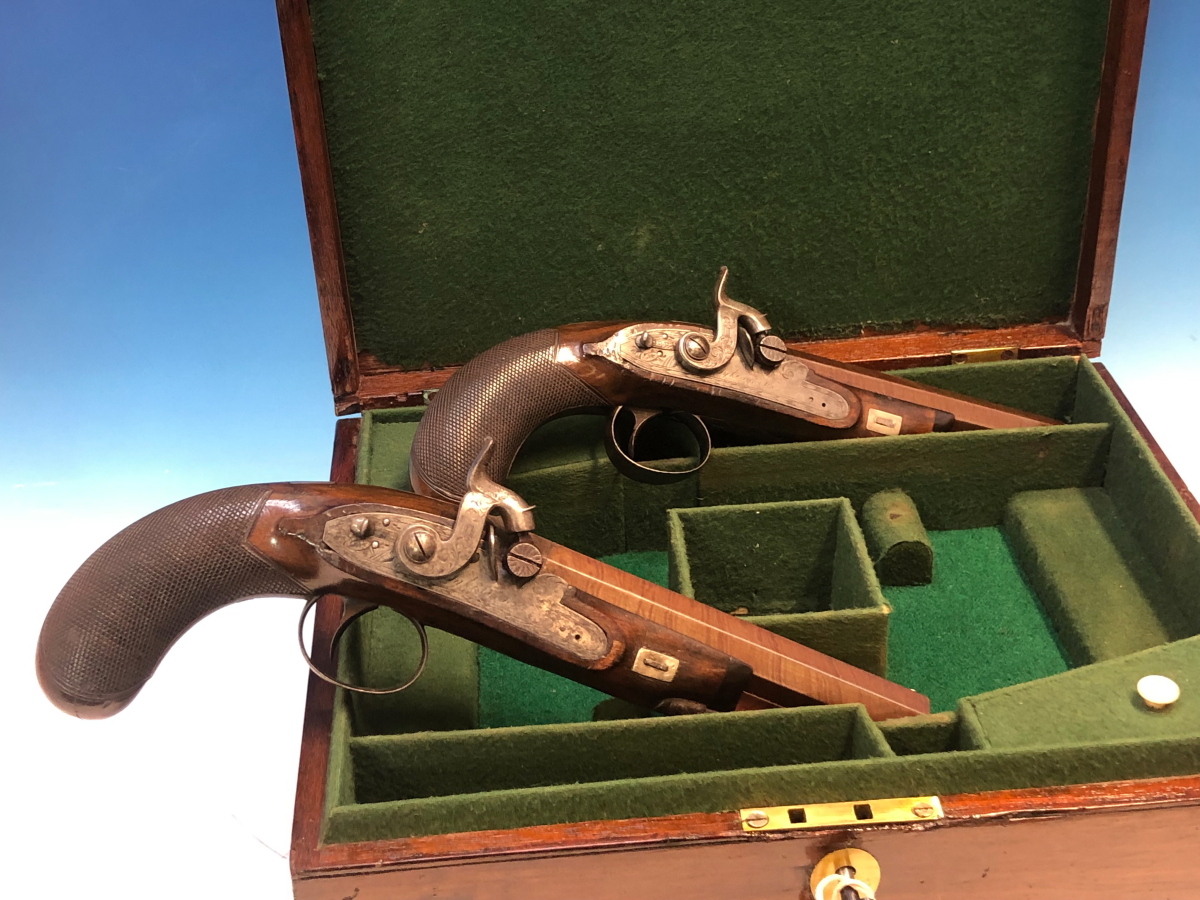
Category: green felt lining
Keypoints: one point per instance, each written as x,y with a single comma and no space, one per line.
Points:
799,568
1064,538
771,558
1097,699
410,767
822,782
513,165
896,539
975,628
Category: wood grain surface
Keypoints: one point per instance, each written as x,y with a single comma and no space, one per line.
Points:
782,668
316,179
1101,842
1110,160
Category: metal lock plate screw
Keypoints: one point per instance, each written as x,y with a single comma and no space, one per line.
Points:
524,560
418,544
771,350
695,346
360,527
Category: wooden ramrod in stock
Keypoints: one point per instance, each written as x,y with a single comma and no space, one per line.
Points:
474,571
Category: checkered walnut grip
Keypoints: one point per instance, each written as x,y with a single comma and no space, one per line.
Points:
504,393
122,610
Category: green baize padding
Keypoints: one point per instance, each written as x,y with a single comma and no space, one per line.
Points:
1074,727
506,166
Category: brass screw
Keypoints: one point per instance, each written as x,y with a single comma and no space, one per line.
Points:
923,810
756,818
695,346
524,560
418,545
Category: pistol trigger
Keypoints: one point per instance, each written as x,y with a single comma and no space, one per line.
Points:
640,418
621,435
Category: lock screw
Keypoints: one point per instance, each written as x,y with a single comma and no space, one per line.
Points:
695,346
524,560
418,545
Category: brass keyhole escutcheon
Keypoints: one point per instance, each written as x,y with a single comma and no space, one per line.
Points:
866,868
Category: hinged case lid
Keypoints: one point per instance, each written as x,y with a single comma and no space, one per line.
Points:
896,181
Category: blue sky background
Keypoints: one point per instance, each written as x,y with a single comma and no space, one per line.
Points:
160,337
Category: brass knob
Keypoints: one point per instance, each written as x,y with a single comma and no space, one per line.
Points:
849,868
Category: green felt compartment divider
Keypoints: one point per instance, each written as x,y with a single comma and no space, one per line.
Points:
384,441
398,767
513,693
1090,573
914,735
821,782
1095,703
1149,506
767,558
896,539
581,505
971,735
856,636
385,649
957,479
339,777
339,783
1043,386
799,568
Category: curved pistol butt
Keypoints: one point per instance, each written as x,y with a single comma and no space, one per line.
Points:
113,622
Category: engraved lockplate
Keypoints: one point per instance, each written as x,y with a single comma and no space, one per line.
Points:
857,813
531,607
649,350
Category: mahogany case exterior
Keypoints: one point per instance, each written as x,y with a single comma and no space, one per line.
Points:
1120,839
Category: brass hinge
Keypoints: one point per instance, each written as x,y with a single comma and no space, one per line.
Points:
984,354
839,815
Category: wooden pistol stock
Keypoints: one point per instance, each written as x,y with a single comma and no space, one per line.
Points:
739,376
463,570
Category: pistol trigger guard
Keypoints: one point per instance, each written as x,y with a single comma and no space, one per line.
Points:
623,460
351,610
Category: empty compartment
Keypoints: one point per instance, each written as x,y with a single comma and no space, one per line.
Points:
798,568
